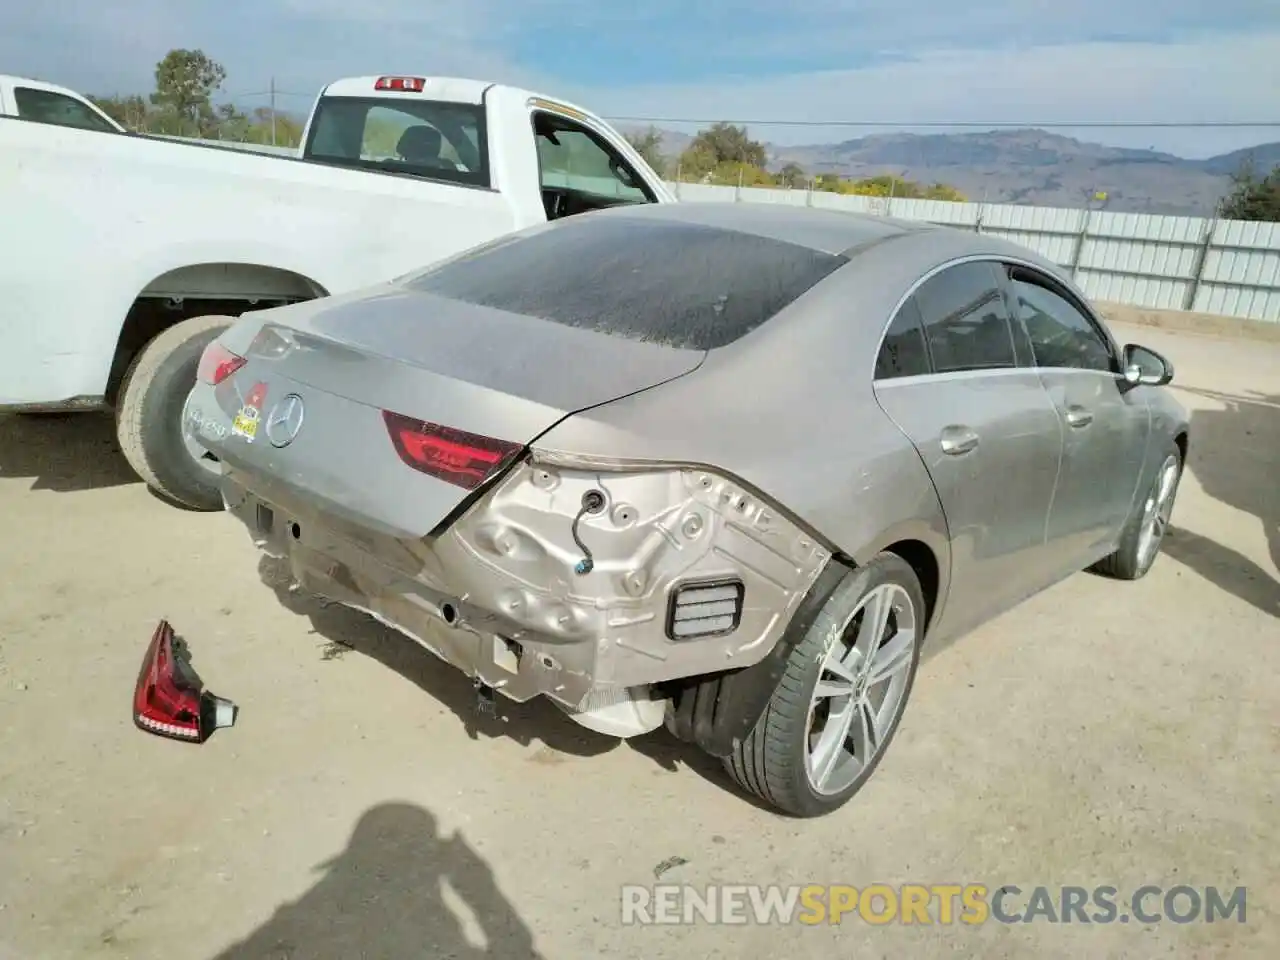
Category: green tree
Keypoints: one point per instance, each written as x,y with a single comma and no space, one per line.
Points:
1252,197
132,112
943,191
723,153
649,146
729,144
288,130
791,175
185,83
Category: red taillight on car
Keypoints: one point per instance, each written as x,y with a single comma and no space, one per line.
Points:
217,363
464,459
406,84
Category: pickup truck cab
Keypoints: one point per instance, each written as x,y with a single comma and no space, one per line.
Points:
47,103
136,251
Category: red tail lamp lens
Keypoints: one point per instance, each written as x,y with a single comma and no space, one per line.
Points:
407,84
463,459
217,363
166,699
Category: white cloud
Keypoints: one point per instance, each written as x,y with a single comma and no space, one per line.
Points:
1214,77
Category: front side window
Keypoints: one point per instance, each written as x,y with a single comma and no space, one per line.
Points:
966,319
1061,336
581,164
427,138
660,281
903,352
44,106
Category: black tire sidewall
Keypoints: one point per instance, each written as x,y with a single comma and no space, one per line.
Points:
885,568
161,407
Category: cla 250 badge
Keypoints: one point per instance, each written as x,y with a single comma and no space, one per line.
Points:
246,420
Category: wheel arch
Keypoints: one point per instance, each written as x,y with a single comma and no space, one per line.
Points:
205,288
923,544
924,562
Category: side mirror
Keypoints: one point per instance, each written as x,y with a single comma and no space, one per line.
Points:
1143,366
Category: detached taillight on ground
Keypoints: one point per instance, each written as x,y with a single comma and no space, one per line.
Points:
464,459
169,699
217,363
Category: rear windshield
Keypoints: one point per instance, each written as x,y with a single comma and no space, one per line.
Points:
678,284
426,138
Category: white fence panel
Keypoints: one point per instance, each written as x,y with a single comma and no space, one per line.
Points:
1173,263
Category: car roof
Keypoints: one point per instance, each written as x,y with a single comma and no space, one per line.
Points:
827,231
840,232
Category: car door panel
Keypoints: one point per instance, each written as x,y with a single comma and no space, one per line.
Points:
1104,427
986,430
1104,442
991,444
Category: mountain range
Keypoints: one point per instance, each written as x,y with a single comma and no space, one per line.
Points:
1026,166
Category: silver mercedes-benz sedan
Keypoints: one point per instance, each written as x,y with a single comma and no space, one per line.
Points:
724,467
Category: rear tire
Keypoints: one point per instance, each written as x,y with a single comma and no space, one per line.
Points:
1145,531
778,761
149,414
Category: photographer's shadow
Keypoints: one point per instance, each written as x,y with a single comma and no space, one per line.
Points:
386,896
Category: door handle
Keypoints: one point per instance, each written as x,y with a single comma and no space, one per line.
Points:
958,440
1079,416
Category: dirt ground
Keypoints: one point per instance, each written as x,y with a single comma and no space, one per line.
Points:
1103,733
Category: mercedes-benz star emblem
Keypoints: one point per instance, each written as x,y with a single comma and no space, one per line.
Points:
284,421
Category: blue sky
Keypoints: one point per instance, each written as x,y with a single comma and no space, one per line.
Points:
981,60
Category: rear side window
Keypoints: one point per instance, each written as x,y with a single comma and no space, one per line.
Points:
966,318
426,138
903,352
677,284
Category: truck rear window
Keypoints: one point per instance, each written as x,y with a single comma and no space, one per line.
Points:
425,138
679,284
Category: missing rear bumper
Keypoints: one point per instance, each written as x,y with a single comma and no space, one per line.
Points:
499,594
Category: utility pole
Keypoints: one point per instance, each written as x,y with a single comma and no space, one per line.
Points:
273,111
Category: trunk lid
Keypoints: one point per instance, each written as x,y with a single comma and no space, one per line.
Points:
321,376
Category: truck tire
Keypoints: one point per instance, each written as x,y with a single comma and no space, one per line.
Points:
149,414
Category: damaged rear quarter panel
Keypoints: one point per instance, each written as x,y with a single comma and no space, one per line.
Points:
659,528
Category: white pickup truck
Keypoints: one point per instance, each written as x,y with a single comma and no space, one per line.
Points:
126,254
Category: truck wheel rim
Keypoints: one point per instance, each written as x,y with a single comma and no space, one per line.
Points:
861,688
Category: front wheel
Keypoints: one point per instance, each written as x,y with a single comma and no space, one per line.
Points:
842,696
1144,533
149,423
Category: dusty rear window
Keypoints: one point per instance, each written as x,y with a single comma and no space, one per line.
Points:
678,284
